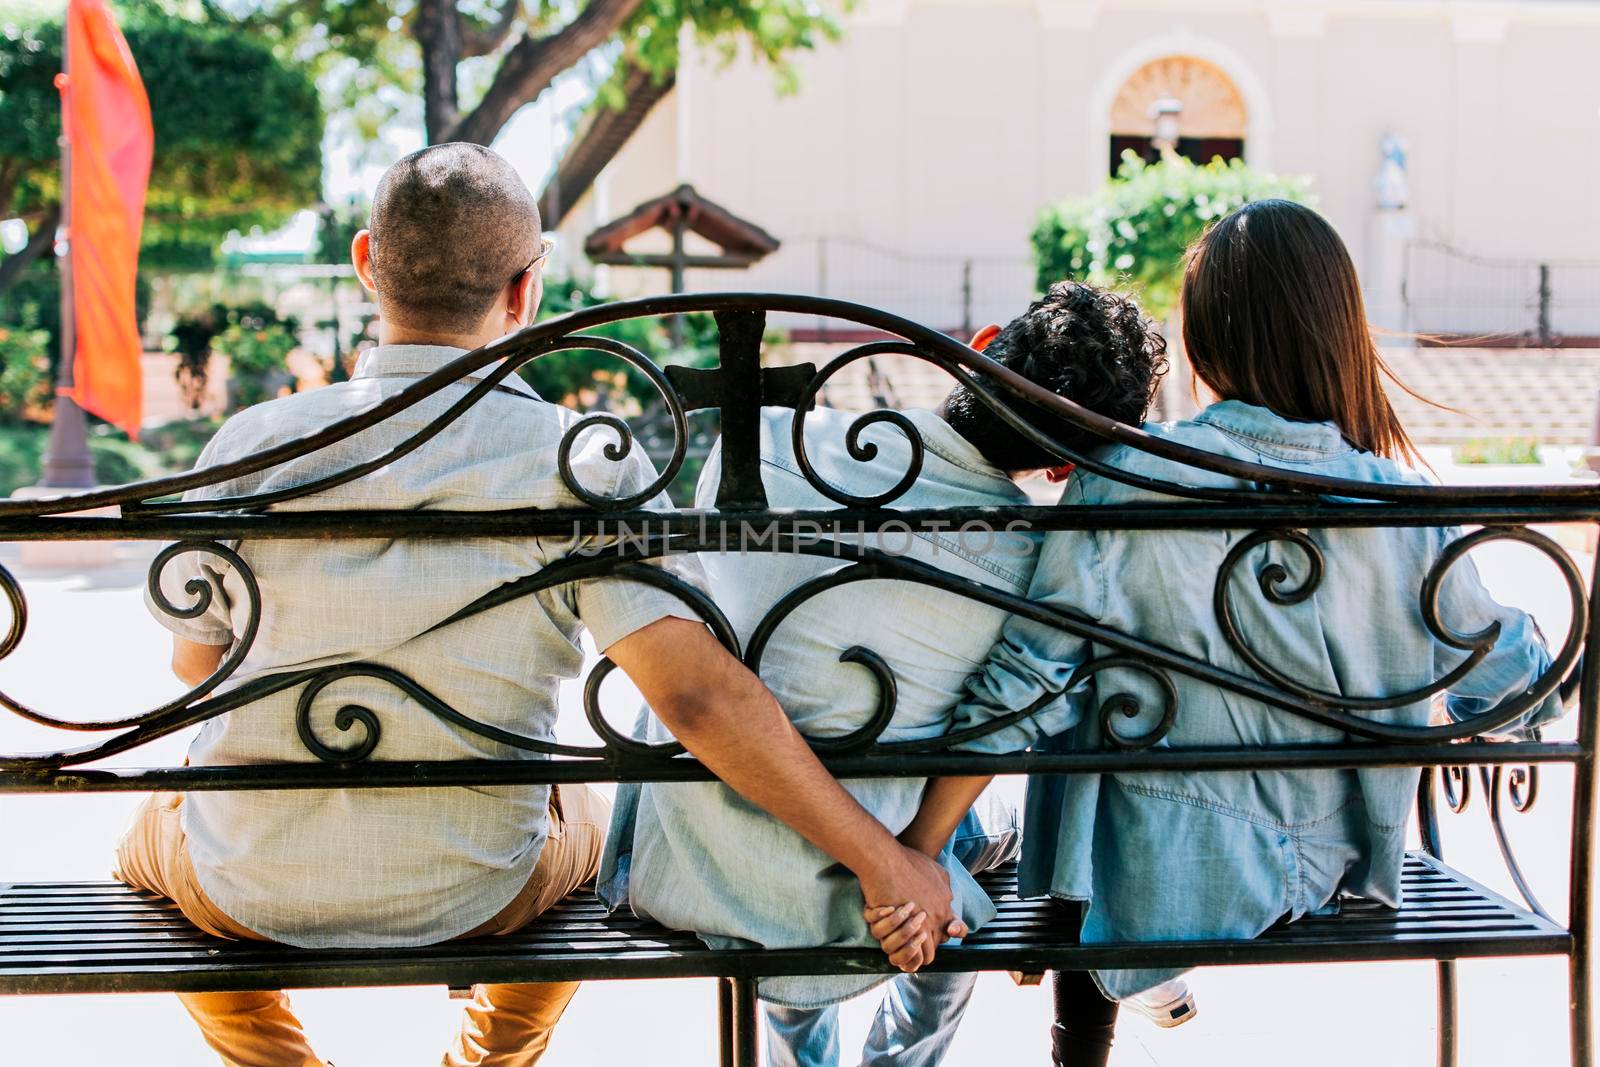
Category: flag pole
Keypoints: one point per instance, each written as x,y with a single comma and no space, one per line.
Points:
67,463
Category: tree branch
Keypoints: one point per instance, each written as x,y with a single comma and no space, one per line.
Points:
42,238
600,136
11,169
533,63
437,28
481,40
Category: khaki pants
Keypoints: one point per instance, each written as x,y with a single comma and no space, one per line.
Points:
504,1025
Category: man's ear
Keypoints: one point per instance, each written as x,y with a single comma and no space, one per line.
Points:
523,299
1057,475
361,257
981,339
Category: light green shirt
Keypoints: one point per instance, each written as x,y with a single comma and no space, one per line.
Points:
397,867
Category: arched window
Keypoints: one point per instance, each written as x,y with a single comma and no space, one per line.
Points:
1208,108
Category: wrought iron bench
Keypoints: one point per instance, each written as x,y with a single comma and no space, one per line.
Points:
103,937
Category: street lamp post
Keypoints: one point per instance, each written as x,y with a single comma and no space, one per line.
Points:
67,463
1164,115
1176,397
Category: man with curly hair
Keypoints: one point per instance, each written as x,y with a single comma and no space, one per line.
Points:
697,857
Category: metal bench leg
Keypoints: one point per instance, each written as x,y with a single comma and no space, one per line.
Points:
739,1022
725,1021
1582,992
1448,1054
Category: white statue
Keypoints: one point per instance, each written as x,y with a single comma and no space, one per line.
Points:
1391,184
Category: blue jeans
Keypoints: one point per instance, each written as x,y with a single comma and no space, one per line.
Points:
919,1014
914,1026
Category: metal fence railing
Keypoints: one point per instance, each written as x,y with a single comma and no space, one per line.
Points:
957,293
1525,301
1447,292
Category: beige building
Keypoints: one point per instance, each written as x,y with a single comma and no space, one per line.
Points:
1455,143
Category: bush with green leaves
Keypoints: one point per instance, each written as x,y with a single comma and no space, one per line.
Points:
168,449
257,344
238,128
591,380
24,374
1135,231
33,302
599,381
191,340
1497,450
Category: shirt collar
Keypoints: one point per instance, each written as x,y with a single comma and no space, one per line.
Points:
416,361
1261,424
940,437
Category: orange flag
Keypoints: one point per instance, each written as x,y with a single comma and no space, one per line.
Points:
106,116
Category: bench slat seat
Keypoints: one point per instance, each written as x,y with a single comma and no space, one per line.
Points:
95,937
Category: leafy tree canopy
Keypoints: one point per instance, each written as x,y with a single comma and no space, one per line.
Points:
475,62
238,129
1138,227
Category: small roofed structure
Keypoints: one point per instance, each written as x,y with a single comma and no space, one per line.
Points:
741,243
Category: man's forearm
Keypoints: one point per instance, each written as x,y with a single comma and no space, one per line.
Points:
727,718
724,716
193,662
945,803
754,748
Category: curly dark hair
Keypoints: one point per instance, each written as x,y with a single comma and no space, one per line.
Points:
1090,345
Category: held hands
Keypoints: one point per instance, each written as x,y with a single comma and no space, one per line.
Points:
909,909
904,934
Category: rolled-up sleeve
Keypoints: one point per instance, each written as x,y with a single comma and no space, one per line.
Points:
613,607
211,627
1033,660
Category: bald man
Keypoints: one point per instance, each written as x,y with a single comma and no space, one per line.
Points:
453,254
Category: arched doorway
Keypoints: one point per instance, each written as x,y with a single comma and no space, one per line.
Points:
1210,113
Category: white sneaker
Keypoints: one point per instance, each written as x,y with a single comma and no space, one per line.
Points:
1167,1005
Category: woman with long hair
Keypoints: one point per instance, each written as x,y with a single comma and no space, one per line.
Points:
1276,331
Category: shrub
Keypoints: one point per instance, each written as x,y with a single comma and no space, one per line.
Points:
591,380
1137,228
1497,450
116,459
24,374
191,338
257,344
177,445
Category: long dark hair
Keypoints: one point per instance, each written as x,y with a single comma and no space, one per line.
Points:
1273,315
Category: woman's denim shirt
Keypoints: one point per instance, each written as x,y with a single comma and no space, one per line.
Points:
1197,856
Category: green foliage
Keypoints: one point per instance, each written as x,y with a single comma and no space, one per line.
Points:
336,228
366,48
257,344
599,381
176,446
33,302
769,30
24,373
1497,450
190,338
167,449
1138,227
238,130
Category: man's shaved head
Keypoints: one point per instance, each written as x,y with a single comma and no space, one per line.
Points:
452,225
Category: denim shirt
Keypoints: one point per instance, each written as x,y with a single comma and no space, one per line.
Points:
1195,856
698,856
